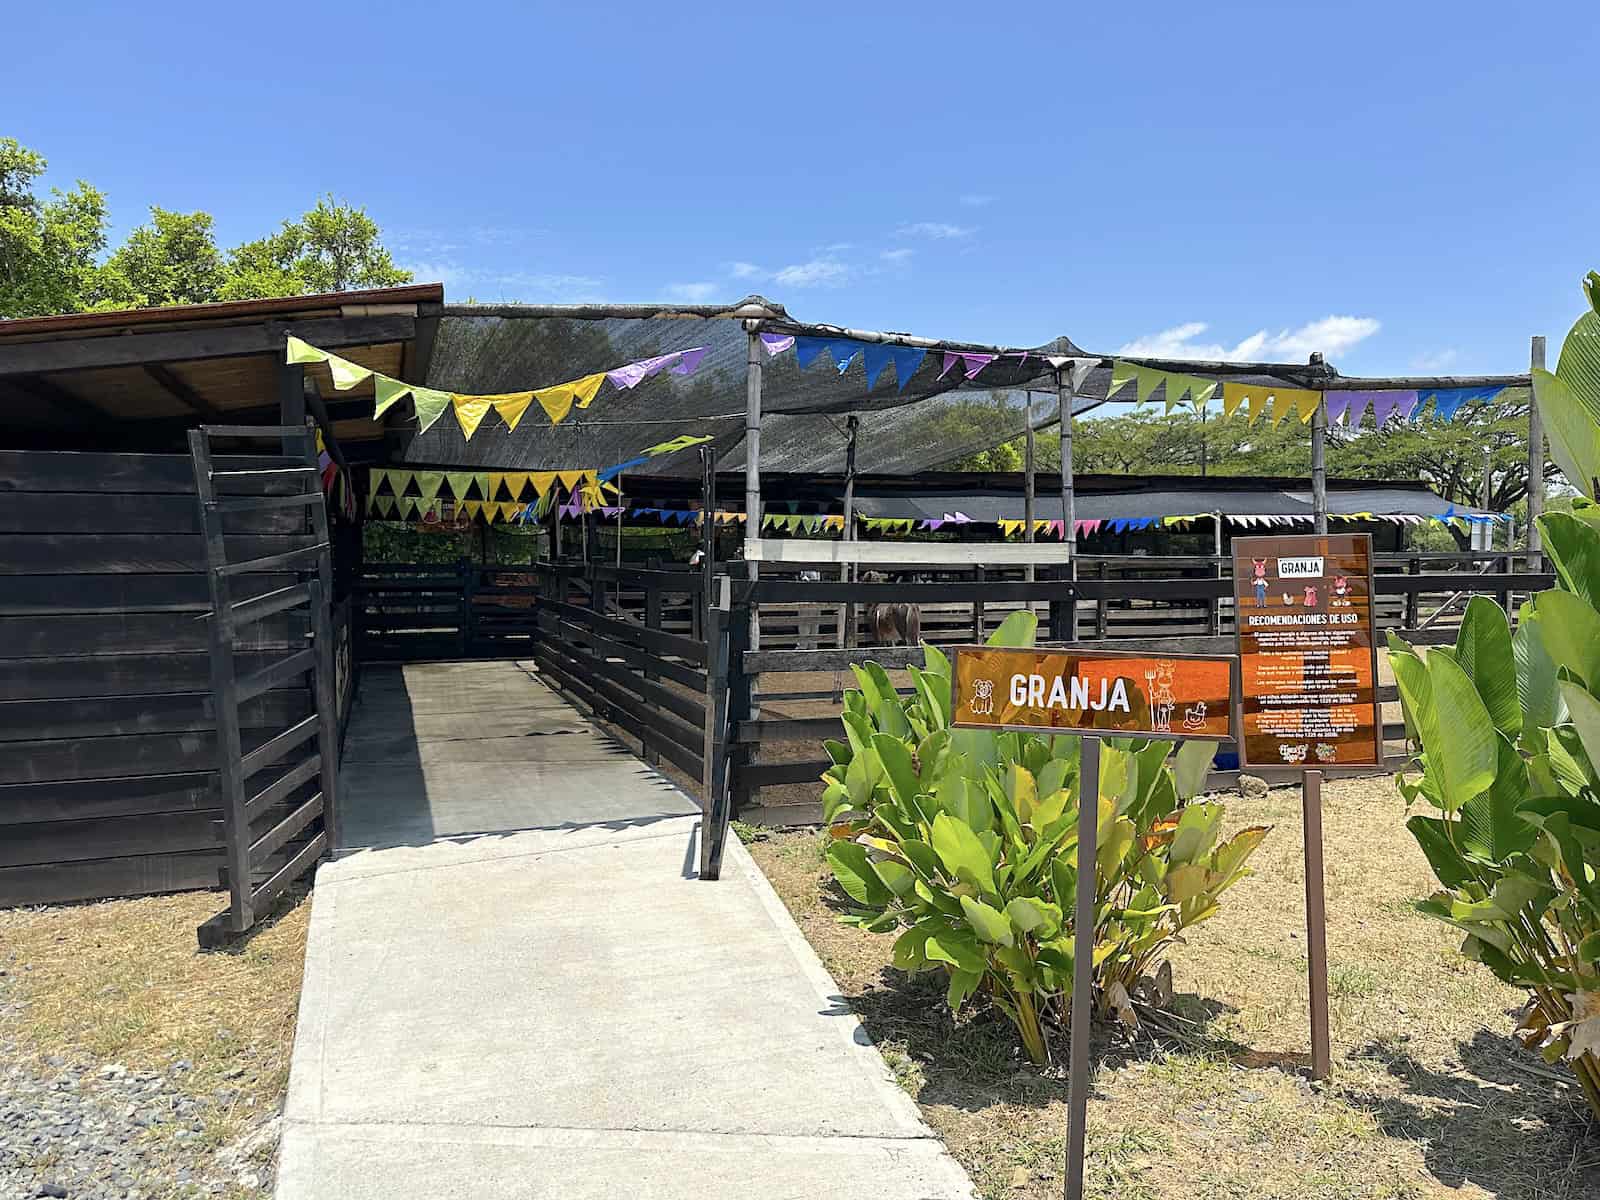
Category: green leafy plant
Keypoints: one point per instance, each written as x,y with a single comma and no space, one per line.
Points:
1509,729
964,842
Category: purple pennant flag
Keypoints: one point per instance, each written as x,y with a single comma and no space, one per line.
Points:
776,343
959,518
1384,405
1337,403
973,363
950,360
932,525
689,360
635,373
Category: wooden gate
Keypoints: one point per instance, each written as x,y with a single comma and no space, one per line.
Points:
278,800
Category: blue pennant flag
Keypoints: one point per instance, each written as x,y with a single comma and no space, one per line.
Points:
875,357
906,361
1447,400
806,349
612,472
844,351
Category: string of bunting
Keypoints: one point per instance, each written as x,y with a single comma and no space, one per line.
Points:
1276,403
471,409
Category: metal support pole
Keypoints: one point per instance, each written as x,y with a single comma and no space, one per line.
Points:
1319,465
1082,966
752,465
1216,572
847,611
1316,926
1027,490
1535,464
1065,394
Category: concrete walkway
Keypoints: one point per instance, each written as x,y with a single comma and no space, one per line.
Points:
518,988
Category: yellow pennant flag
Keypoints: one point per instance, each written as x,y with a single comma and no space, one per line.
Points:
1282,404
556,401
1233,395
1258,404
571,479
386,391
297,351
515,481
587,388
542,481
470,412
471,507
511,406
346,374
1305,404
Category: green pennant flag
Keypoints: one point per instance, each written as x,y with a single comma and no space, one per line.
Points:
1122,374
1176,386
376,478
682,442
430,406
429,483
1201,390
386,392
459,482
346,374
385,505
485,485
1148,380
297,351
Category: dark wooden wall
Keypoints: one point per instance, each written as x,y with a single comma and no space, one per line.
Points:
107,730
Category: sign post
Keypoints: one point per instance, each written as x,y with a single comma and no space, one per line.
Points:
1091,695
1308,658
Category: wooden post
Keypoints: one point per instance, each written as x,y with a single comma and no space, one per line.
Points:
1065,394
1082,965
1216,572
977,607
1316,925
752,465
1535,464
327,708
714,761
1319,462
847,610
1413,598
1031,571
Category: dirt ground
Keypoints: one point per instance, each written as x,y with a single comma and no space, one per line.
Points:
117,991
1429,1098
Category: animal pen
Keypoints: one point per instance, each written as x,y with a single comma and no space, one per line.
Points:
188,629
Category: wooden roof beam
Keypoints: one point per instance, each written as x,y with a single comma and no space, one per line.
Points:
56,396
174,385
193,345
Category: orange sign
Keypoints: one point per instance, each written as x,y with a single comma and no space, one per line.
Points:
1308,655
1108,693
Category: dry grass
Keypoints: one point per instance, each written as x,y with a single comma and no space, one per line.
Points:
122,981
1429,1096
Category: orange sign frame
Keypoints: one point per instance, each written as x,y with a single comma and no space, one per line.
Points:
1095,693
1308,651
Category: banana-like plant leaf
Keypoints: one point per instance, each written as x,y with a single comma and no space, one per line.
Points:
1483,651
962,853
1016,631
1579,367
896,876
1585,712
1572,429
934,691
1537,694
852,867
910,948
1464,751
1039,918
962,985
1190,766
1490,829
896,760
1448,866
1196,833
990,924
1570,630
934,661
1574,550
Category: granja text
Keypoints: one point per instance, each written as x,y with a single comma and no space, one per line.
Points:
1035,691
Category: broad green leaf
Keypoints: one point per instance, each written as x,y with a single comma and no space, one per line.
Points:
896,760
962,985
1537,694
1050,809
839,752
1483,651
1448,866
1038,918
897,877
1016,631
956,947
935,693
910,948
1513,893
1185,881
1574,550
1190,765
1462,744
1022,791
1053,775
1572,429
1490,829
852,867
1589,948
1585,712
1197,832
921,856
863,774
934,661
989,924
1113,848
962,853
1579,367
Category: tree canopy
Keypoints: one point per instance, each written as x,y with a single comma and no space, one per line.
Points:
53,260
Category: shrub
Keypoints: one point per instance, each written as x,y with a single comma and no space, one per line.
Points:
965,842
1509,730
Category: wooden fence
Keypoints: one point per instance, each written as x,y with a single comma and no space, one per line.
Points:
108,754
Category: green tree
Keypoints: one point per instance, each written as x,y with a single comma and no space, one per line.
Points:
332,248
172,260
48,246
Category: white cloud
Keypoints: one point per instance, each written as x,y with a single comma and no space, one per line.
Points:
745,270
973,200
897,256
1330,335
691,293
447,273
937,230
527,286
819,272
1437,361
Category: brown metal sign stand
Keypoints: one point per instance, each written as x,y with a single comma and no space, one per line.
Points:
1316,924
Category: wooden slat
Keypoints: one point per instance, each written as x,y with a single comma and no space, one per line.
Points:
298,500
47,595
277,562
42,761
122,796
112,716
118,553
113,674
60,883
36,513
107,837
292,870
259,607
24,471
264,847
275,748
278,674
275,792
160,633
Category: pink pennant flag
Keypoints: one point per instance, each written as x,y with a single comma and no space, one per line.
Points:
1057,527
1086,526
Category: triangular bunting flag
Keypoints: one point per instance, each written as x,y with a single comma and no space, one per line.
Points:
542,481
806,349
1384,404
399,481
556,401
296,351
682,442
1282,404
386,392
429,483
470,412
514,482
472,507
1305,404
485,483
511,406
1176,385
347,374
570,479
460,482
1338,405
1233,395
430,406
1258,403
1122,374
1148,380
1201,390
386,505
906,361
875,357
587,388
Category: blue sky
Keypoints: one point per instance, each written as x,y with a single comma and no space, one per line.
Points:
1403,189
